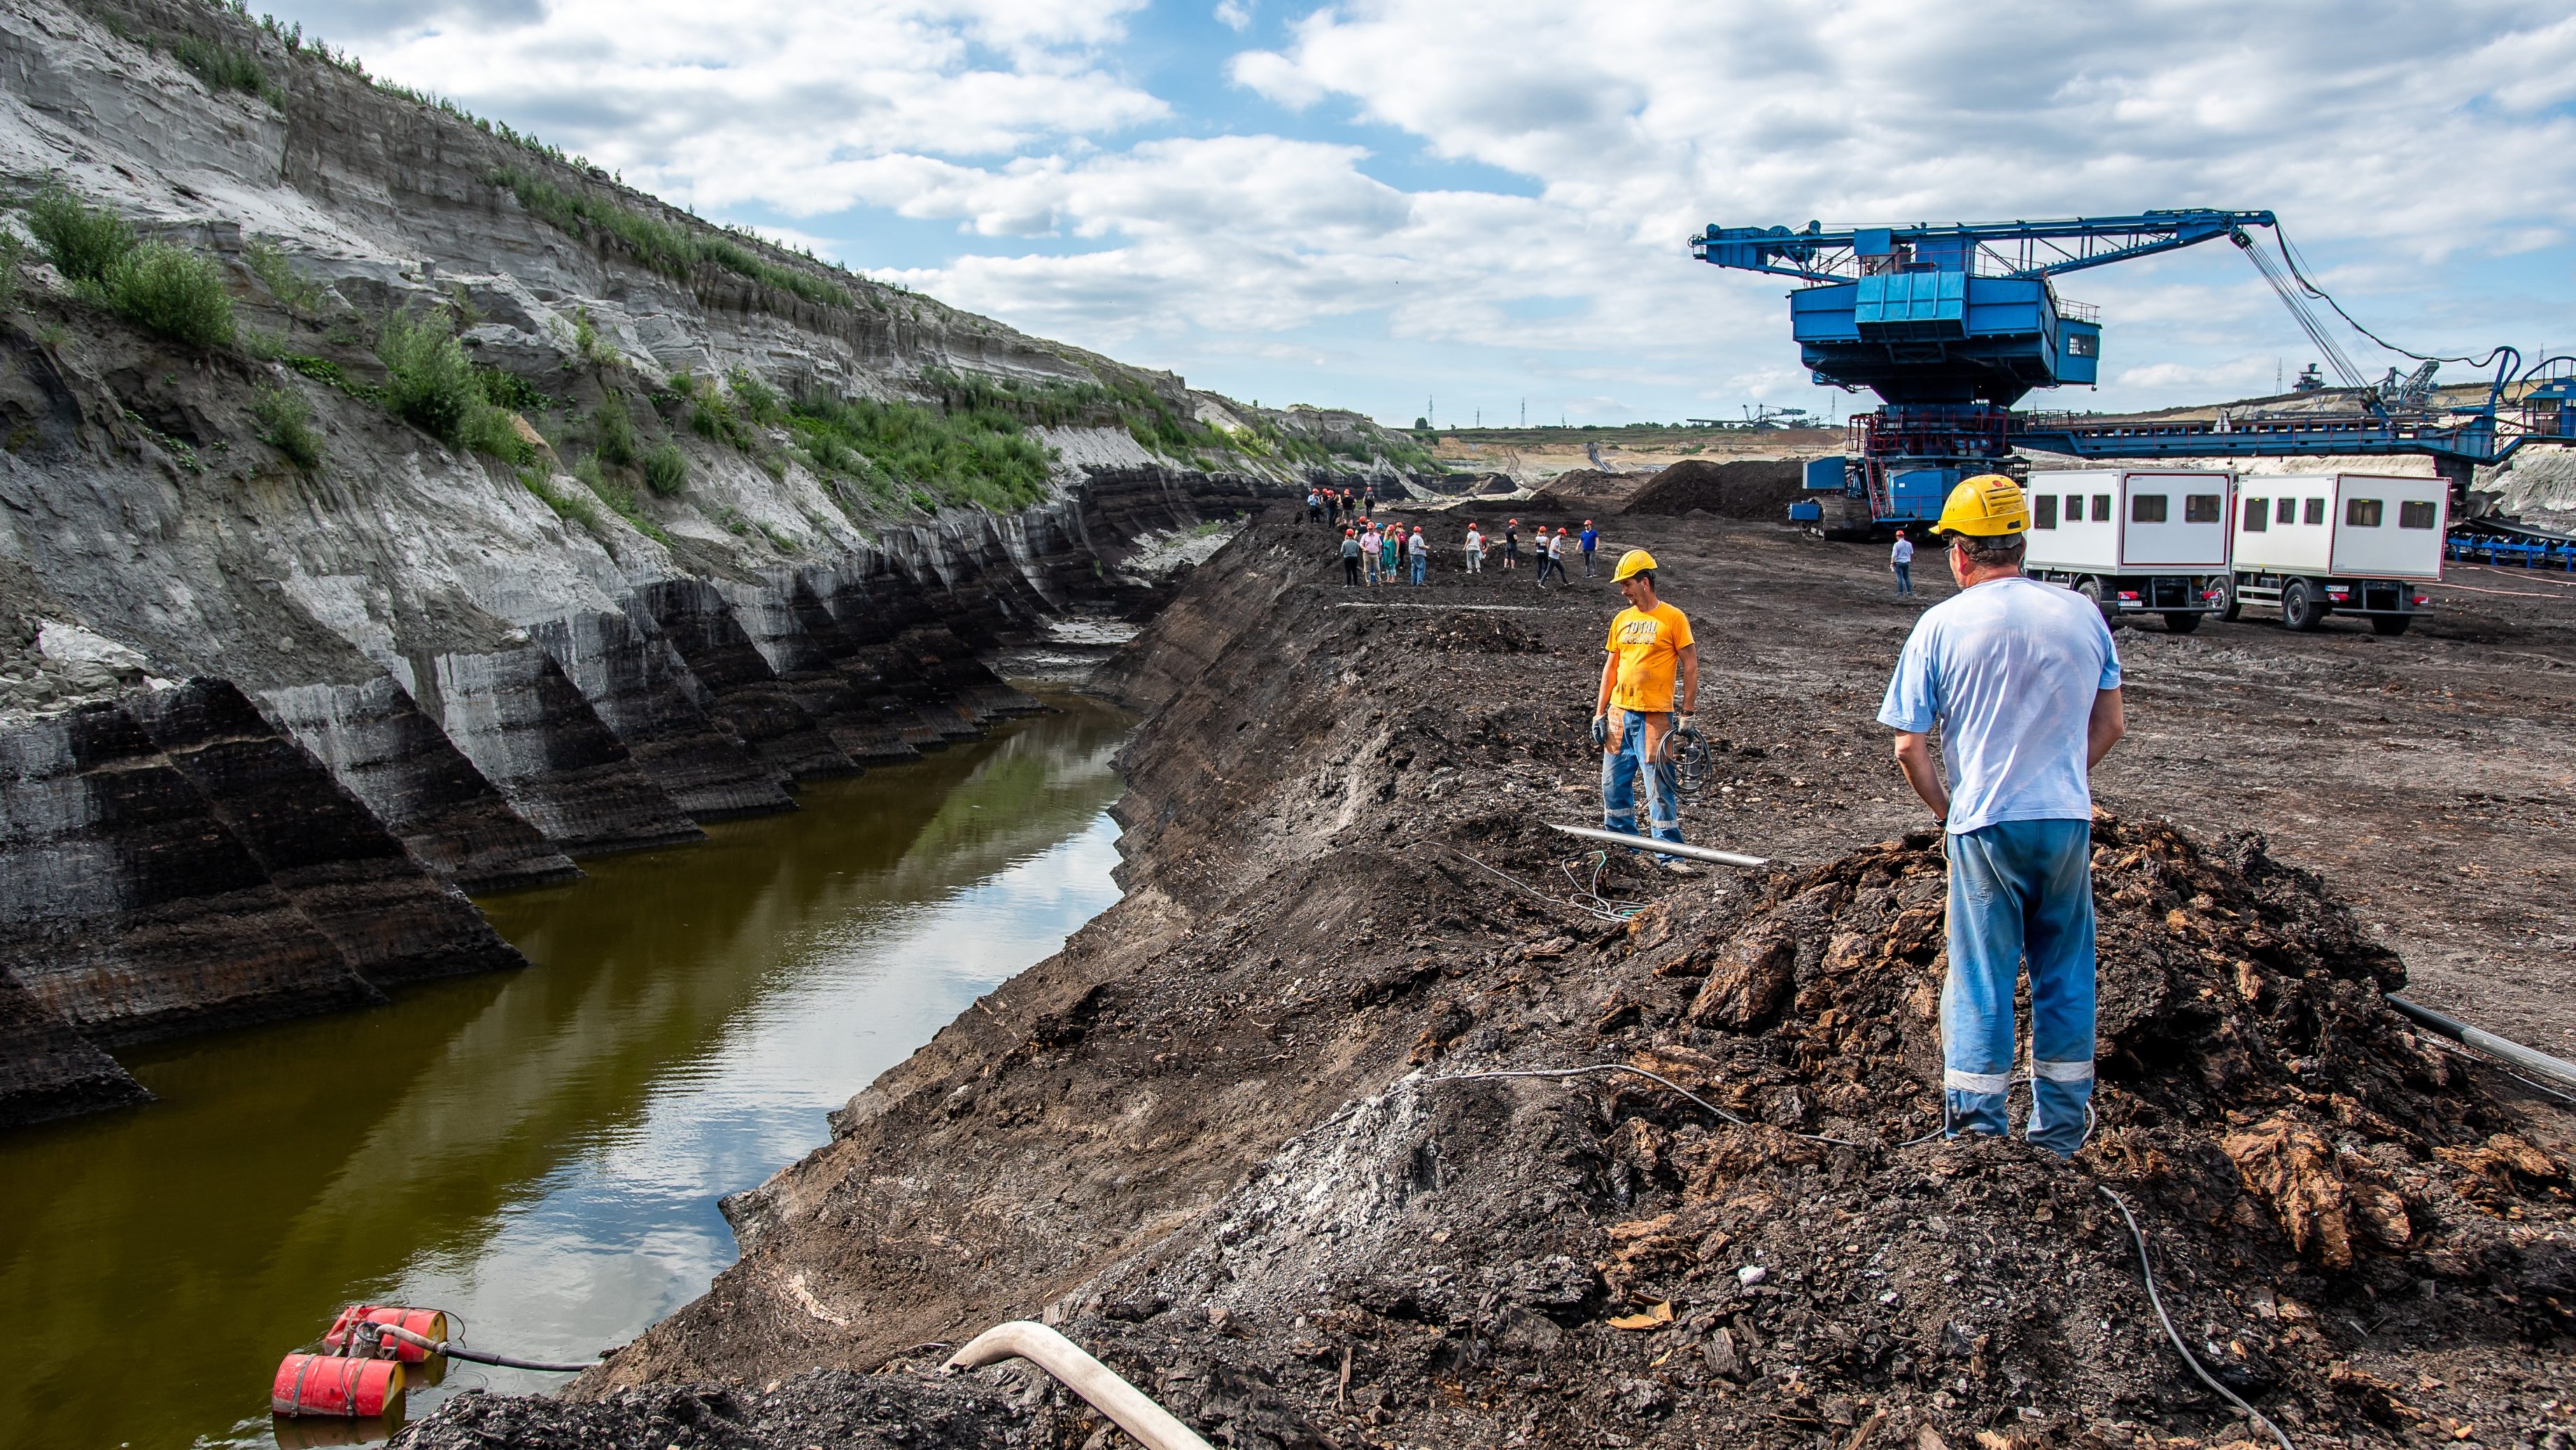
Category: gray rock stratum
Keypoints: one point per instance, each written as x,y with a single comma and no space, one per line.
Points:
282,672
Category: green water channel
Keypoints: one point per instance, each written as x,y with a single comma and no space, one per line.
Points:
540,1152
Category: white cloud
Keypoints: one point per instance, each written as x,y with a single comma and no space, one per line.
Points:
2407,143
753,108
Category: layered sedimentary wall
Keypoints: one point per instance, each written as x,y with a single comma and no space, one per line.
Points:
266,710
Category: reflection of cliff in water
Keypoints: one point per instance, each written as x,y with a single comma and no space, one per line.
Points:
691,1013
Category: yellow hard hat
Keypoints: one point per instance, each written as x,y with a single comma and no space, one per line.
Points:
1986,505
1635,561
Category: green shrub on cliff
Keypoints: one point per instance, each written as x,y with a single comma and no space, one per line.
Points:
614,431
286,423
666,471
168,289
754,399
430,384
81,241
172,291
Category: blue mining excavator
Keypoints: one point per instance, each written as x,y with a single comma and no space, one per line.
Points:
1952,325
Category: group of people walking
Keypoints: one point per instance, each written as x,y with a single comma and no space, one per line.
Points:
1340,505
1373,553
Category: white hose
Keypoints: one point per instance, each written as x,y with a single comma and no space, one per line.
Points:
1099,1385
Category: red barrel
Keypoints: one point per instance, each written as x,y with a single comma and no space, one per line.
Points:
332,1384
430,1324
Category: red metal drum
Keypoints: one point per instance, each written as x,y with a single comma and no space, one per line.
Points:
429,1324
331,1384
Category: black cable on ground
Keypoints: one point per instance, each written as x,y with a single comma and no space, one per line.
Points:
1515,881
2148,1271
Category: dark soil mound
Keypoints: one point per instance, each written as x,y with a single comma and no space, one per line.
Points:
1759,489
2316,1182
826,1407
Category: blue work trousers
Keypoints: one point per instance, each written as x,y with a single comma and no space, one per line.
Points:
1421,562
2020,890
1621,770
1904,578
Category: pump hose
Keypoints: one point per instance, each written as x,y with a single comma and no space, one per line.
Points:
453,1350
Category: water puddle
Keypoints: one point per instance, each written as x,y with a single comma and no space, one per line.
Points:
540,1152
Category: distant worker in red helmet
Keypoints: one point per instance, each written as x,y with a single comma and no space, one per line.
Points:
1649,686
1591,541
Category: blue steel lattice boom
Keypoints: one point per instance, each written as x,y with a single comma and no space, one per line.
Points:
1952,325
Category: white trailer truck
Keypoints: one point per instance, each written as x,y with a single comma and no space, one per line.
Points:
2338,543
2133,541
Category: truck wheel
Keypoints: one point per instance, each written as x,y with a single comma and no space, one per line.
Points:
2181,623
2092,589
2229,605
2390,623
2301,610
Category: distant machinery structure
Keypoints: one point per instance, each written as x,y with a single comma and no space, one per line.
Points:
1952,325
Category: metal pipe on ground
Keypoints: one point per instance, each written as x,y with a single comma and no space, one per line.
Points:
2556,1069
1099,1385
1661,848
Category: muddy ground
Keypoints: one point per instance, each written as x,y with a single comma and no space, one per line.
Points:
1205,1139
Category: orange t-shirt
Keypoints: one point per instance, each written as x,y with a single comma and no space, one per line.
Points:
1649,644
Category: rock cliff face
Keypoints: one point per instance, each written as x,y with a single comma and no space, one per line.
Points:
657,596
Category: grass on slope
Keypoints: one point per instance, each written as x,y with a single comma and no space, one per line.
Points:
666,247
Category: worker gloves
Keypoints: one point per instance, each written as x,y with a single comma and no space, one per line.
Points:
1600,732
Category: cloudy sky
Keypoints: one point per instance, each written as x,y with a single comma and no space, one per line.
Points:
1378,204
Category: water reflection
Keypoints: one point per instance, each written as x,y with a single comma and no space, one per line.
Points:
541,1153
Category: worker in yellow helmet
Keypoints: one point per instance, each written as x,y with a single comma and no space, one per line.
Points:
2024,684
1649,685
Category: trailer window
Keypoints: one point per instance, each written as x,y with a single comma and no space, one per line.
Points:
2147,508
2415,514
2287,513
2075,508
2258,515
2044,511
2101,508
2361,513
2201,508
2316,511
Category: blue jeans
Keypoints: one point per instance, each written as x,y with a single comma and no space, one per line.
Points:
1904,578
1420,563
2020,889
1620,770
